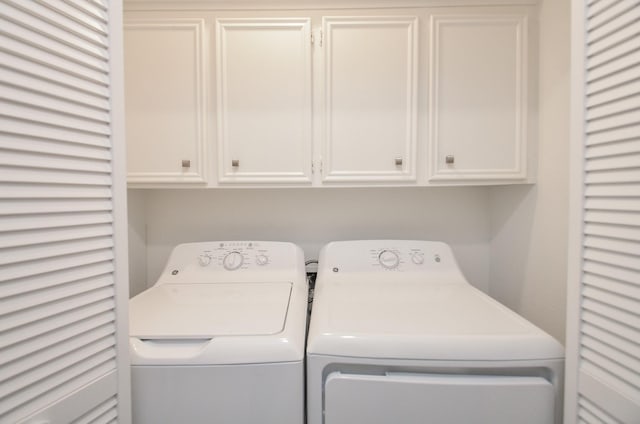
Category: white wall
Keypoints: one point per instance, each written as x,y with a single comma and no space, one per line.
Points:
529,224
313,217
137,213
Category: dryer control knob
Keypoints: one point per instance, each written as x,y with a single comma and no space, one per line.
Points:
262,259
388,259
204,259
233,261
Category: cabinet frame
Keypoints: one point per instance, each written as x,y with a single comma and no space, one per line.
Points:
439,172
226,172
196,173
406,173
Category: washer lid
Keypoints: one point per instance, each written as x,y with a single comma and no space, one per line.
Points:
414,320
199,311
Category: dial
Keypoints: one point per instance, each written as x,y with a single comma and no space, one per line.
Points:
233,261
388,259
262,259
204,259
418,258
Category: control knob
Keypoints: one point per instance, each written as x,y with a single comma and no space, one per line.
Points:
262,259
204,259
232,261
388,259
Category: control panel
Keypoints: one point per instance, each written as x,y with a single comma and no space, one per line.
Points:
387,256
390,258
191,260
233,256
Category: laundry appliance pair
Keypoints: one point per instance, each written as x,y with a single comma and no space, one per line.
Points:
396,335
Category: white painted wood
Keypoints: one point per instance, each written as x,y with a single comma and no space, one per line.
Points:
603,354
478,97
64,286
264,100
166,92
370,95
307,4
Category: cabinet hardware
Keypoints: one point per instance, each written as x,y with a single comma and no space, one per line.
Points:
449,159
186,163
398,161
235,163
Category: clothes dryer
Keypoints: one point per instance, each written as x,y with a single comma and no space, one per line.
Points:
397,335
220,337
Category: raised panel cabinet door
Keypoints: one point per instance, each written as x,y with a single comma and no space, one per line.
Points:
370,90
478,96
264,100
165,100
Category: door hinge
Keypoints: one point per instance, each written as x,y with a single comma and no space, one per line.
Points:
313,38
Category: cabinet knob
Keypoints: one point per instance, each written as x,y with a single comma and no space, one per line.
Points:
449,159
235,163
186,163
398,161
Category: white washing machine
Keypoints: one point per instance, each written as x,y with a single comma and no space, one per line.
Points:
397,335
220,337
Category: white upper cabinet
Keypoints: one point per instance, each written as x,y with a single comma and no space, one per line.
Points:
165,92
358,96
370,99
478,95
264,100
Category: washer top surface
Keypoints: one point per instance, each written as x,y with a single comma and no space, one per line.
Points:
419,310
192,311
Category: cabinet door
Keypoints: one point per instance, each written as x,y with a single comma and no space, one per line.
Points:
478,96
370,66
264,100
165,108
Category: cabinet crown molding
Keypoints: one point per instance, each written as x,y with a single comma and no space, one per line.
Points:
132,5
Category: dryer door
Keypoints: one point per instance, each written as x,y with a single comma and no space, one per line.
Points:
437,398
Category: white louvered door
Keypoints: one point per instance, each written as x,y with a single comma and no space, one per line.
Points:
603,333
63,265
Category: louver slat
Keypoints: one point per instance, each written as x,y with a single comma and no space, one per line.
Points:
40,329
612,149
590,413
48,13
614,106
612,94
56,337
58,320
629,17
610,12
102,414
625,346
33,53
52,148
624,42
78,43
611,244
54,234
608,365
55,80
51,103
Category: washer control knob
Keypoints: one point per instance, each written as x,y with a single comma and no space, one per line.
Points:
233,261
262,259
388,259
204,259
418,258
